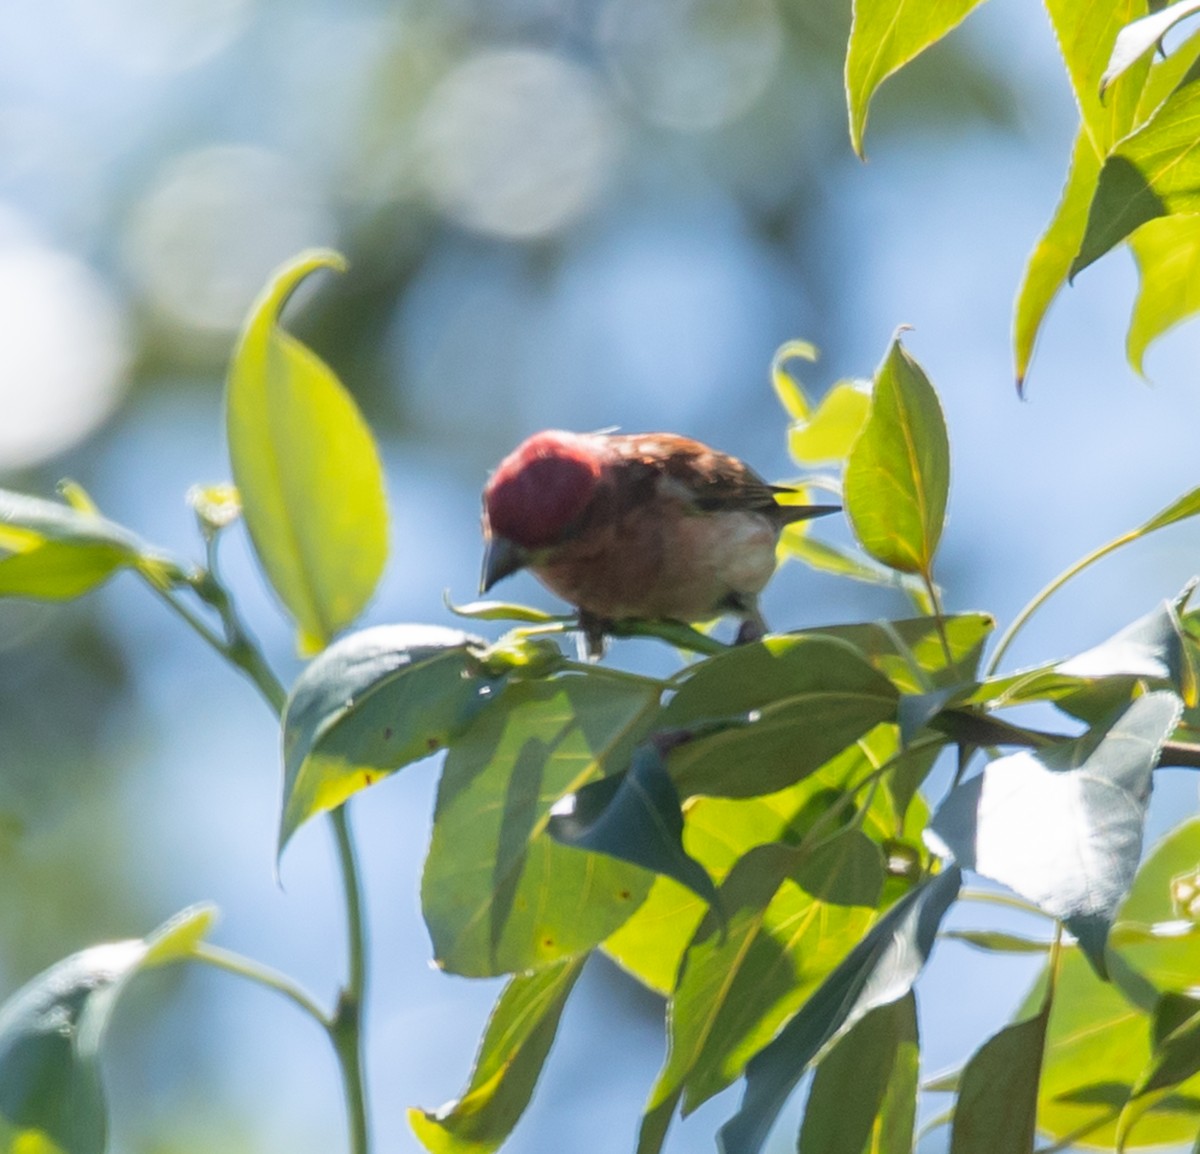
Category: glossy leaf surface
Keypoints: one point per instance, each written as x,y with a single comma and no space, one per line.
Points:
806,698
1063,826
373,702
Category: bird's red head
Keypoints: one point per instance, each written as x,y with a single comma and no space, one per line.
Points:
541,487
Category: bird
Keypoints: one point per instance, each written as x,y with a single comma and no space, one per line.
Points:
639,526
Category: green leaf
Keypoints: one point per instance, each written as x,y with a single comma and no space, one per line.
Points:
1155,933
813,696
994,942
737,986
55,552
879,970
997,1106
51,1031
886,35
1048,265
1167,252
1086,36
1151,649
910,652
306,467
519,1035
1153,172
499,894
898,473
827,434
1176,1054
1138,38
1062,826
864,1095
719,831
634,816
502,611
789,391
1097,1044
371,703
796,542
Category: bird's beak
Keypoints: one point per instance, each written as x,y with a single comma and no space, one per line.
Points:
501,559
806,512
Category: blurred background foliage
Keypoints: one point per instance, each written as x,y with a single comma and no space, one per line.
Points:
575,213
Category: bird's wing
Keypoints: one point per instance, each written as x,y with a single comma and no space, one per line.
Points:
708,480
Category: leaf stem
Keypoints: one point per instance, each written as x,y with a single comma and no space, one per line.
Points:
344,1025
1006,639
991,899
253,971
939,614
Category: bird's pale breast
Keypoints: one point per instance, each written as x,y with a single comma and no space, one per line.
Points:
682,567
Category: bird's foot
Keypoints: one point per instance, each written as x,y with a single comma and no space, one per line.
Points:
752,629
594,633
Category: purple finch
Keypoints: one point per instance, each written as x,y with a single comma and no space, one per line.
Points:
647,526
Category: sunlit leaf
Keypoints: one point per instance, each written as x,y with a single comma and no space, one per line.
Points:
499,894
52,1028
898,473
1153,172
796,542
53,551
514,1047
789,391
739,984
373,702
1048,265
1152,648
306,467
1155,933
1086,35
827,434
1138,38
910,652
879,970
995,942
884,37
1062,826
501,611
996,1111
1097,1045
719,831
808,698
864,1095
1167,252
